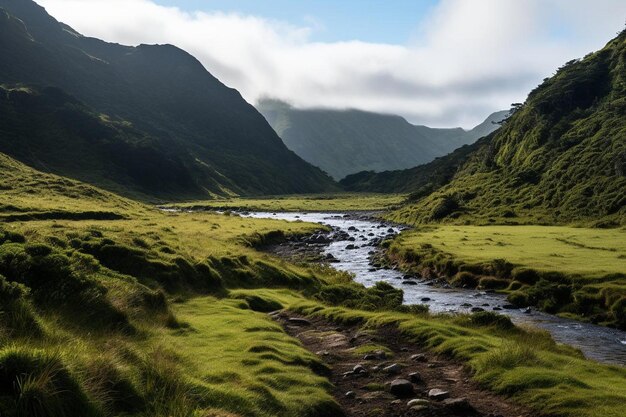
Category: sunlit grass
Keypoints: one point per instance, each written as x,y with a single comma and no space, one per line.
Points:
590,252
321,202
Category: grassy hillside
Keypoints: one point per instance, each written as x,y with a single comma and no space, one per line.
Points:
560,158
54,132
216,142
351,141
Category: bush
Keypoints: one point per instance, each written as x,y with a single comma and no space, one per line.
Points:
490,319
618,310
518,299
491,283
444,208
465,279
525,275
33,383
16,314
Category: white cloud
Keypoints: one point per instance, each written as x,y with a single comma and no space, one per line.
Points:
470,57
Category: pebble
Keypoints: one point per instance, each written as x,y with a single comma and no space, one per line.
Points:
438,394
393,369
420,357
350,394
416,378
359,369
417,401
299,321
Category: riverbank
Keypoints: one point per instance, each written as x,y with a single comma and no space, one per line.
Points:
574,272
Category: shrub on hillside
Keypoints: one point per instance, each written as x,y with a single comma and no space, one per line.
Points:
34,383
444,207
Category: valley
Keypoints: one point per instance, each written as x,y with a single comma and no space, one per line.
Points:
167,249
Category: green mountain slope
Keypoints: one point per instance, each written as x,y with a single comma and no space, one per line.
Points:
224,144
347,142
560,158
51,131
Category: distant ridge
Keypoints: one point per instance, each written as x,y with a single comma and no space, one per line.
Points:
561,157
350,141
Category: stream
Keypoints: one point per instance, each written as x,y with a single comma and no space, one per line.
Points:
360,234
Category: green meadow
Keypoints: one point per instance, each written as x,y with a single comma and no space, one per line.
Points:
577,272
313,202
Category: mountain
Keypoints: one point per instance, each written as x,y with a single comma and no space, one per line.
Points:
218,143
350,141
561,156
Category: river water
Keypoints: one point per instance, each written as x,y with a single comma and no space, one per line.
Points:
596,342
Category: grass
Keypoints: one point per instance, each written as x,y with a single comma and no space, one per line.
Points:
524,364
591,253
245,364
312,202
575,271
161,314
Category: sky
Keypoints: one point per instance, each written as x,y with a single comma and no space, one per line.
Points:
441,63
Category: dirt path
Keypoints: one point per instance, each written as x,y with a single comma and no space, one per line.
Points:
366,363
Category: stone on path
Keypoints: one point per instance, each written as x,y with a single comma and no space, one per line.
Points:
417,401
393,369
458,405
299,321
401,388
438,394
